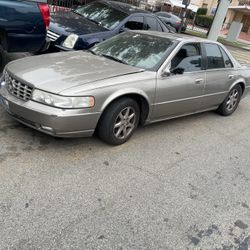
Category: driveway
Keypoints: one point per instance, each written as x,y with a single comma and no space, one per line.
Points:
179,184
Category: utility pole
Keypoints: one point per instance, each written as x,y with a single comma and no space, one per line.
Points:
218,19
183,17
218,4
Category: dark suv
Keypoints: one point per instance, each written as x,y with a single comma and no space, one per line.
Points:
23,26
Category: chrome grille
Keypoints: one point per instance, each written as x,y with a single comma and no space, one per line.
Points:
18,89
52,35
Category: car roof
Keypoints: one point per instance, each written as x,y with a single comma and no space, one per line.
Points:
175,36
165,12
124,7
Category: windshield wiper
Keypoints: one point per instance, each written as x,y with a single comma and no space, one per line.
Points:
94,21
76,12
113,58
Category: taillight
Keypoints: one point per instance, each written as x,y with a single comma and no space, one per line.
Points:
178,22
44,8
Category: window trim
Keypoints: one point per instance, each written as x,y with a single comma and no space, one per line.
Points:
171,55
202,58
222,50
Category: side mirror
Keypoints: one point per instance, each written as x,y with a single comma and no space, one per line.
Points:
165,73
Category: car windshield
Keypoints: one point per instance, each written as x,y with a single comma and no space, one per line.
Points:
135,49
102,14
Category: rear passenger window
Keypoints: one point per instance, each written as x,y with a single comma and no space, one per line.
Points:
135,23
214,56
151,23
228,63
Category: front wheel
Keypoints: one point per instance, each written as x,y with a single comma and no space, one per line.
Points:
119,121
231,102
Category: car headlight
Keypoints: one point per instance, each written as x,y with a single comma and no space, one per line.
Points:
65,102
70,41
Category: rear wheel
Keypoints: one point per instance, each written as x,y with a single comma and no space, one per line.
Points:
119,121
231,102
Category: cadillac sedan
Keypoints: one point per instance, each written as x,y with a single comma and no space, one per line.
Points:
134,78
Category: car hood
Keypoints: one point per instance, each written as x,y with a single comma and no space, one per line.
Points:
58,72
69,22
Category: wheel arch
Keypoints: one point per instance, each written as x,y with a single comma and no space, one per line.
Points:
140,97
240,82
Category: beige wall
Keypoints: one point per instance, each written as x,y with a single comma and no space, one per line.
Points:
211,4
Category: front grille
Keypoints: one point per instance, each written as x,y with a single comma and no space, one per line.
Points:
52,35
18,89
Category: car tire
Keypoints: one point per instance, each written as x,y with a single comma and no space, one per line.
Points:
231,102
119,121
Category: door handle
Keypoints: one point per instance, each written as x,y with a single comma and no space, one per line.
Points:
230,76
198,81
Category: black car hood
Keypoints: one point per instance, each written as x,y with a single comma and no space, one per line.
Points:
70,22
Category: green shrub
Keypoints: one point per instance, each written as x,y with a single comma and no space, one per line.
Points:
204,21
201,11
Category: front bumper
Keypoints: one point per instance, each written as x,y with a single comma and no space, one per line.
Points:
50,120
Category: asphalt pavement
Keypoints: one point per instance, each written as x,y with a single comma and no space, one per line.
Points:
179,184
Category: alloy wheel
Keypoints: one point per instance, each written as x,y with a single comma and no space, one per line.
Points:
124,123
232,100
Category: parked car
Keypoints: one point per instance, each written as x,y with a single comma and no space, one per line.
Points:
23,26
171,19
133,78
95,22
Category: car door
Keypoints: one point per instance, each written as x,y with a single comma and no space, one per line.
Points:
180,91
220,75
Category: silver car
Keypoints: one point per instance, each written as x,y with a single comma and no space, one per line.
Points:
134,78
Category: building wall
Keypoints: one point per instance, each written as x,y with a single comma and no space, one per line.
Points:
211,4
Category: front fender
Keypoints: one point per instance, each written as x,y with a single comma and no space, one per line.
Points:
124,92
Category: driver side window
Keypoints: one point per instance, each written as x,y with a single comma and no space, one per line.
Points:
187,59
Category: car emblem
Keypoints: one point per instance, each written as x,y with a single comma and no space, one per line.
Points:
11,85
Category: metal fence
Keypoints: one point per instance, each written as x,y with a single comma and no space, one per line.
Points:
65,5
